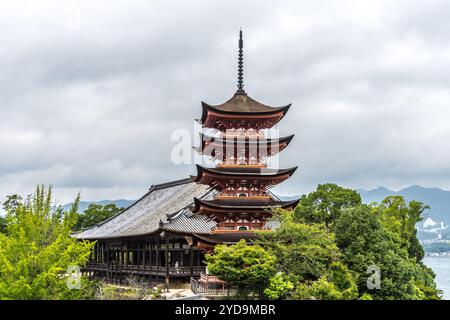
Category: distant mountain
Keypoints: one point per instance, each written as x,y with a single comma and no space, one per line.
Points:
121,203
437,199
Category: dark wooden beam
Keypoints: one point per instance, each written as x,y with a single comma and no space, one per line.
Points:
191,261
167,264
158,247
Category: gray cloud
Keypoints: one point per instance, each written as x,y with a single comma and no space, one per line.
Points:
90,105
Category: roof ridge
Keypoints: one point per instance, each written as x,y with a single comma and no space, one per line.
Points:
170,184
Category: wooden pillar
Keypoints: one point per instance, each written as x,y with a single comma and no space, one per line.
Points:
144,252
125,253
181,256
191,261
138,253
107,260
158,247
150,254
167,264
94,258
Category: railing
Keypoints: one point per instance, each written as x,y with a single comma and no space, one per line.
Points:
215,289
141,269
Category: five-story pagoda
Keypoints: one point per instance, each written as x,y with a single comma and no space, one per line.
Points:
241,178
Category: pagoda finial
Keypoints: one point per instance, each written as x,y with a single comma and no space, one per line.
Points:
240,83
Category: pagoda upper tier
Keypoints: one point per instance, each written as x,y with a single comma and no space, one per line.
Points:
247,178
240,207
241,112
241,149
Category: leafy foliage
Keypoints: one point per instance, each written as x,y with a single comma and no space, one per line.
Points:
364,241
336,284
12,202
279,287
2,224
309,258
241,264
325,204
95,214
401,218
302,251
37,249
321,289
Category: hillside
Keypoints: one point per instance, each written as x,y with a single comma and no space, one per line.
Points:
437,199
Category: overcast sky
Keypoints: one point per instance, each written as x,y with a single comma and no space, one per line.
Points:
90,92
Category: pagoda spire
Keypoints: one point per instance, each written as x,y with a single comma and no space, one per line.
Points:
240,83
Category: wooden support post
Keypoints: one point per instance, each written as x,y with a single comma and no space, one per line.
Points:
181,256
167,264
158,247
107,260
191,261
138,253
150,252
144,253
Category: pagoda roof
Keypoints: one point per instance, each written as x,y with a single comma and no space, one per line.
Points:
221,143
242,204
241,171
242,104
246,139
246,170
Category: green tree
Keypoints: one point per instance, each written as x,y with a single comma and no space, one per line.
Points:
95,214
324,205
401,218
364,241
307,258
303,251
337,284
343,280
242,264
12,202
2,224
37,249
321,289
279,287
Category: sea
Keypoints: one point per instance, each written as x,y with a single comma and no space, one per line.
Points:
441,267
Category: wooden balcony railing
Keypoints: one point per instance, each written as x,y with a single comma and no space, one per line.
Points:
141,269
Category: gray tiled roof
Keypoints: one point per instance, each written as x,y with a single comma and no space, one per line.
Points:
144,216
185,222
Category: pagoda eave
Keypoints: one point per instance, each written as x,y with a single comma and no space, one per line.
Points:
240,205
238,175
215,147
219,118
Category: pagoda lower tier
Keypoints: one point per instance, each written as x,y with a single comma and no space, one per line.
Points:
237,213
241,149
241,177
